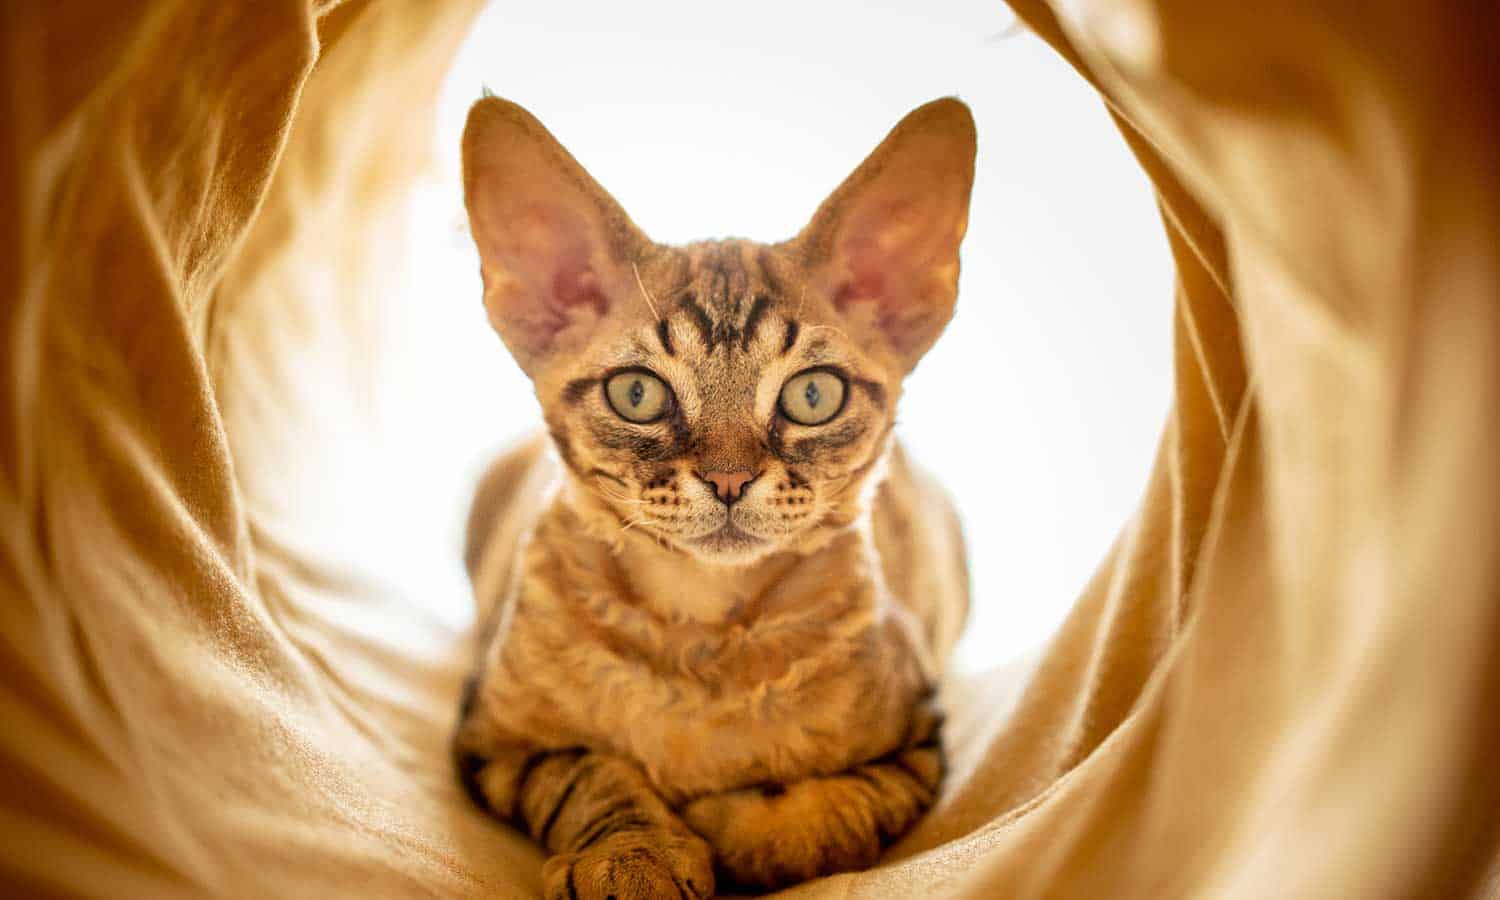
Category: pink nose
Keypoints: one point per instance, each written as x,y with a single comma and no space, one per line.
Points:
728,485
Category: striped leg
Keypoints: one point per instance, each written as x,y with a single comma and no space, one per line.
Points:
609,832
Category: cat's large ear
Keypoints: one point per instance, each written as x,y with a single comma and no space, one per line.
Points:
884,246
555,249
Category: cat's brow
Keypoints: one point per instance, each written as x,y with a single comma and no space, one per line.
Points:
729,290
791,336
873,389
724,331
575,390
664,335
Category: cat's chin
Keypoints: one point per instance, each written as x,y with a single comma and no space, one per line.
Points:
729,545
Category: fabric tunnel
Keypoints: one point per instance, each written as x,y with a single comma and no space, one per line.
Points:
1279,682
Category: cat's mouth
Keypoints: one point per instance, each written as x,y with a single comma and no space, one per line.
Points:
728,537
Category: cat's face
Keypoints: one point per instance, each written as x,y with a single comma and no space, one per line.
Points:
729,398
737,421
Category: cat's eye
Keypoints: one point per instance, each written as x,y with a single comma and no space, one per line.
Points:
638,396
812,397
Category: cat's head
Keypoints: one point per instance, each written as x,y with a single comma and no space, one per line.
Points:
729,398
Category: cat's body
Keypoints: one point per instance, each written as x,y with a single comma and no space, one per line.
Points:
807,665
715,615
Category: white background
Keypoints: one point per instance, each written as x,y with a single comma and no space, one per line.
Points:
1041,406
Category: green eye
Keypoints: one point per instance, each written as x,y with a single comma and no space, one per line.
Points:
812,397
638,396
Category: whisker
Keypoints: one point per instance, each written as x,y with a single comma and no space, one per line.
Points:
612,493
650,302
631,523
626,501
839,331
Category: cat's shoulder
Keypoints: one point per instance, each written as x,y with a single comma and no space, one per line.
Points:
507,501
518,474
920,541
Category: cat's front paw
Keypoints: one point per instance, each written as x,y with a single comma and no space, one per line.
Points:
771,839
635,864
774,837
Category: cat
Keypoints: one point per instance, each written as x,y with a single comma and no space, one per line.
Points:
715,597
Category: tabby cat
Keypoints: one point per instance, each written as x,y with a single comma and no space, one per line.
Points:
715,596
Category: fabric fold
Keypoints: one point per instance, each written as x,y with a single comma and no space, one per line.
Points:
1277,682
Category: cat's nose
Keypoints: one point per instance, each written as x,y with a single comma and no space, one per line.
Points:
728,486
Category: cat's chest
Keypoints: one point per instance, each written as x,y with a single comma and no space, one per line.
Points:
705,708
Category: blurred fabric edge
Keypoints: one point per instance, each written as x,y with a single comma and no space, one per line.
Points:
1277,684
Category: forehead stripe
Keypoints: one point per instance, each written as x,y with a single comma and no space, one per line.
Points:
701,320
752,321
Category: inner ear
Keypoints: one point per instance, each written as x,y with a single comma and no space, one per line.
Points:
554,247
884,246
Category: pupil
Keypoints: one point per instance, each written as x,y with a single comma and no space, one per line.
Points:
812,394
637,392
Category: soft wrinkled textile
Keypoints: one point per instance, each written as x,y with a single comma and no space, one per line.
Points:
1280,682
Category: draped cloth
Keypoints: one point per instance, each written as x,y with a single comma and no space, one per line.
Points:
1279,682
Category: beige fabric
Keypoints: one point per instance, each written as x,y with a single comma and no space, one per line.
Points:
1278,684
